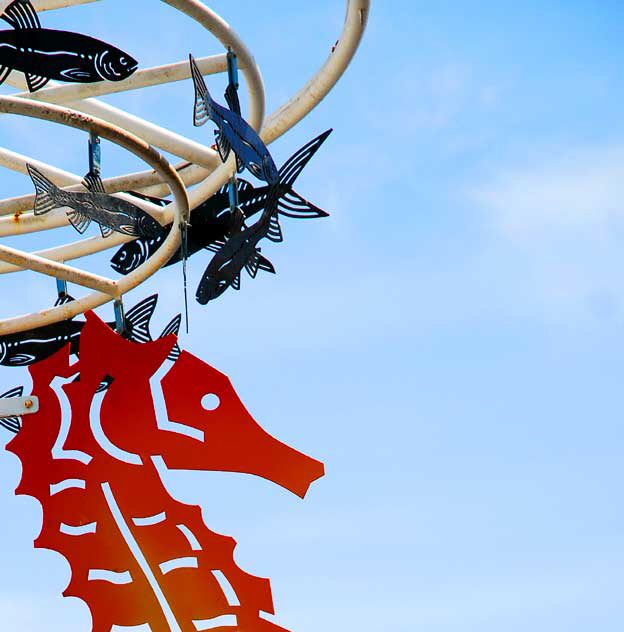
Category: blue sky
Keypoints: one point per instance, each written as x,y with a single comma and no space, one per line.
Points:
448,342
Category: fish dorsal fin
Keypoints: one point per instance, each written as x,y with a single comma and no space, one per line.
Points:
265,264
173,328
35,82
106,230
62,300
20,14
236,282
138,319
92,182
291,169
291,204
202,99
275,230
78,220
215,245
223,146
252,264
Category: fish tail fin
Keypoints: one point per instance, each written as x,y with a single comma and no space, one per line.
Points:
291,169
291,204
203,107
45,191
21,14
173,328
138,319
12,424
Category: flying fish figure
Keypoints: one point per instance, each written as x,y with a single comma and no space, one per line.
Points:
233,133
212,221
27,347
111,213
240,250
44,54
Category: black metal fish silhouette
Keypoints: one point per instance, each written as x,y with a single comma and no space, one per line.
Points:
27,347
234,133
111,213
211,221
12,424
44,54
239,251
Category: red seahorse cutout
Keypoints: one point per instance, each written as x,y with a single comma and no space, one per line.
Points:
138,555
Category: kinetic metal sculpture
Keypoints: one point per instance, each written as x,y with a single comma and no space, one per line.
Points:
107,414
44,54
111,213
27,347
138,555
211,223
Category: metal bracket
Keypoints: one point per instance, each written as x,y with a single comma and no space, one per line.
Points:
120,317
95,154
17,406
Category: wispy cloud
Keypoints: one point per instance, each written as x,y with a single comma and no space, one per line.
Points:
559,221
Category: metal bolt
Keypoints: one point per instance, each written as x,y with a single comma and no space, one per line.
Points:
28,403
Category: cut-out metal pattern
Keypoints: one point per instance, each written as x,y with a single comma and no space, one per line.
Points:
240,250
27,347
111,213
233,133
211,221
137,555
43,54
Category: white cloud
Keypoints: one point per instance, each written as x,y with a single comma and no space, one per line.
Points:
558,224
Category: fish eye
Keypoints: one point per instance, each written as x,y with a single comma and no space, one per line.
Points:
123,60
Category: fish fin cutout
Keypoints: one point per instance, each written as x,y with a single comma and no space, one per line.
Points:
21,14
223,145
252,265
173,328
275,230
45,191
78,220
150,198
104,384
202,111
5,71
106,231
291,204
231,98
291,169
18,391
236,282
62,300
35,82
92,182
240,165
12,424
265,264
138,319
215,245
21,359
256,170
